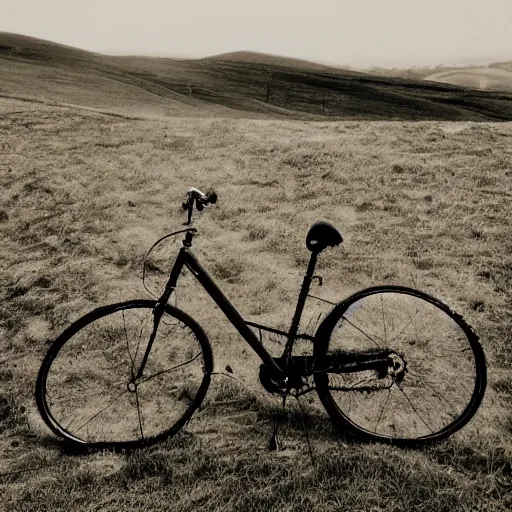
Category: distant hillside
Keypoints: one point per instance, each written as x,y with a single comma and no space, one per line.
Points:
239,84
496,77
503,65
274,60
49,72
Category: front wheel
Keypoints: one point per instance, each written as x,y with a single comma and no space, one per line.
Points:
436,375
86,389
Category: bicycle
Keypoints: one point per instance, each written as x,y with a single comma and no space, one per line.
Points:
388,363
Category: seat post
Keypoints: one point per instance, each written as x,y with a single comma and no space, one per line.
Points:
311,265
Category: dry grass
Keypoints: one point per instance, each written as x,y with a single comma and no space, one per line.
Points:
83,197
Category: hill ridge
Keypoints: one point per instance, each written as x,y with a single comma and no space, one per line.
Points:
236,84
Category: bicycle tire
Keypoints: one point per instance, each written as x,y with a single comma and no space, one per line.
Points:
108,343
388,413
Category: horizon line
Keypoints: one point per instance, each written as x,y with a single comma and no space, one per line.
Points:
461,61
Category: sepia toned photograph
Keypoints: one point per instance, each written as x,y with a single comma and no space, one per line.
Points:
256,256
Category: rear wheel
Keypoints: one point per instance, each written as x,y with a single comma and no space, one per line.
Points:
436,376
86,391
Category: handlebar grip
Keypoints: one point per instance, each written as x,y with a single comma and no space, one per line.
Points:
196,192
200,199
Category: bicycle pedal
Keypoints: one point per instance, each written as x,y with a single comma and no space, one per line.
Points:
268,383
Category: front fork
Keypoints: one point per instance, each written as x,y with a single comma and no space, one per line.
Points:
158,313
159,309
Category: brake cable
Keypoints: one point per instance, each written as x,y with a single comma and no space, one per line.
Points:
149,252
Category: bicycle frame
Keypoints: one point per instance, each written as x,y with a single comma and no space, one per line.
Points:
185,258
290,366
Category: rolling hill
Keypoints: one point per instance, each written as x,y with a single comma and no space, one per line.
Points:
497,77
240,84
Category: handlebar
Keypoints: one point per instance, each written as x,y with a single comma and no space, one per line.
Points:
199,199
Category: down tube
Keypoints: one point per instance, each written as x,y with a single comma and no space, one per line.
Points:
231,313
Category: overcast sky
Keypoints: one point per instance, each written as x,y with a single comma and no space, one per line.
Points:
358,33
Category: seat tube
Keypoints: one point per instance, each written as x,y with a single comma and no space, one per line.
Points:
306,284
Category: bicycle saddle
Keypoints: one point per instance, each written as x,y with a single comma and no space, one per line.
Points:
322,234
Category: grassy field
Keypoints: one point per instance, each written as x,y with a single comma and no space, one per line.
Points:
84,195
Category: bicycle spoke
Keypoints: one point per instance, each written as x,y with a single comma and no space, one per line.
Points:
382,411
452,353
102,410
414,409
146,379
140,338
361,331
128,346
444,356
73,418
72,399
436,392
403,330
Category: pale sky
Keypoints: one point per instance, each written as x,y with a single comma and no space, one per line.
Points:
360,33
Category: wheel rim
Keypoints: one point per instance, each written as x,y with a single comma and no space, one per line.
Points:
91,393
434,382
